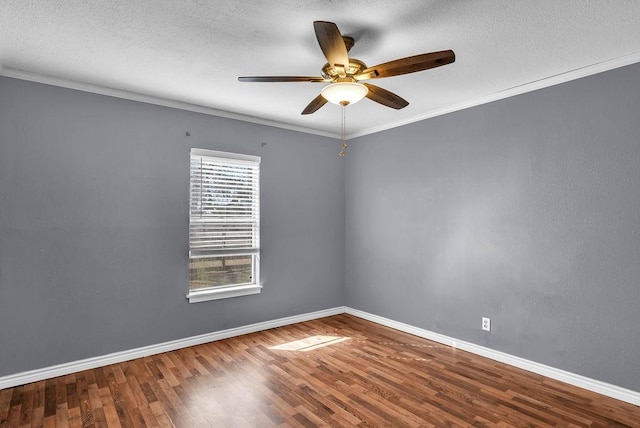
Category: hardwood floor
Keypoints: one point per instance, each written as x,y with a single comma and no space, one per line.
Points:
339,371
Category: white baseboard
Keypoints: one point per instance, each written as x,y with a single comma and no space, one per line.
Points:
118,357
589,384
597,386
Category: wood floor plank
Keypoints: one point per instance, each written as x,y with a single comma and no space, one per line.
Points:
62,416
109,408
49,422
373,376
161,415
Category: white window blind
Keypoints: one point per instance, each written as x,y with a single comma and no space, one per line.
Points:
224,218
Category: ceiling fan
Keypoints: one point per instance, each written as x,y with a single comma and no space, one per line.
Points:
345,74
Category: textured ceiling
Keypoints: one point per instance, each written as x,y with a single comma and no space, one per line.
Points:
192,51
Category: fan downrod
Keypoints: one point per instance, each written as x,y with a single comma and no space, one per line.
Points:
348,42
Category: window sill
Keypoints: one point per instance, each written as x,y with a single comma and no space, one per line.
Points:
223,293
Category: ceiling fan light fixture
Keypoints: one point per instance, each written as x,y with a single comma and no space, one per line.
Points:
345,73
344,93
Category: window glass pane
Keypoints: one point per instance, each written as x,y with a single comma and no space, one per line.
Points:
217,271
224,219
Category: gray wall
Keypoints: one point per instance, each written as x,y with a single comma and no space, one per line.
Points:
526,210
94,222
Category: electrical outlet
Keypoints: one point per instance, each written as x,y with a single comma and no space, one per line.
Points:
486,324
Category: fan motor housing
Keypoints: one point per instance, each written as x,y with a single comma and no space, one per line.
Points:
355,67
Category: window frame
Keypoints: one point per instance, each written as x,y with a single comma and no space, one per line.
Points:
231,290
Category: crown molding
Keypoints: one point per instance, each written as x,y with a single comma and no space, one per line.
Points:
164,102
546,82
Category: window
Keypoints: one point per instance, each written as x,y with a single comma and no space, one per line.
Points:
224,225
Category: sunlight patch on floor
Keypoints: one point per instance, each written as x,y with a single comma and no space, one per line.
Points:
310,343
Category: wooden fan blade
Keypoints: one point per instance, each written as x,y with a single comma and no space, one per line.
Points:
315,105
281,79
411,64
331,43
384,97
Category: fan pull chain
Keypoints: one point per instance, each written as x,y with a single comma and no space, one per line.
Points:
343,132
